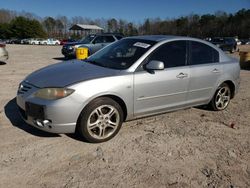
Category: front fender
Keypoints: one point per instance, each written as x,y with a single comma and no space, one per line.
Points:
119,86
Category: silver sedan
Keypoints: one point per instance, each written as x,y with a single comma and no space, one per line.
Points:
131,78
3,52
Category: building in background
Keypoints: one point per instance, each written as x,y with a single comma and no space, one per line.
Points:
84,30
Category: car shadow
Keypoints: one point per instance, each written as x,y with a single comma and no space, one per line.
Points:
2,63
204,108
77,137
60,58
11,112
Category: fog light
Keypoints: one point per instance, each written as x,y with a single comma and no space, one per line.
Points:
38,123
42,123
46,122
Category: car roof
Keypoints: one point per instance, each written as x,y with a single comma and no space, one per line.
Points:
159,38
107,34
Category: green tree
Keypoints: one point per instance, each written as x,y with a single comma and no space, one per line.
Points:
22,27
112,25
50,24
5,32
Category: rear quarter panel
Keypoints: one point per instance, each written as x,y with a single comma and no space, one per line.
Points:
231,72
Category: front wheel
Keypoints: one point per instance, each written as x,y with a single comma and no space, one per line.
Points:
100,120
221,98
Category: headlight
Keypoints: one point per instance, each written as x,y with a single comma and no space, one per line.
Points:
53,93
72,47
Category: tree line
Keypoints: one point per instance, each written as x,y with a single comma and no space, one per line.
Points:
27,25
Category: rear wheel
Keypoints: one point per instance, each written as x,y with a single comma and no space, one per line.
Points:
101,120
221,98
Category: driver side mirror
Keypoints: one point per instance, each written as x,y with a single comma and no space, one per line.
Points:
155,65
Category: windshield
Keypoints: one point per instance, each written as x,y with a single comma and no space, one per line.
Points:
87,39
121,54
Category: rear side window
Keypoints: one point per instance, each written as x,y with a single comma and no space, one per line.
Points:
202,54
109,39
172,54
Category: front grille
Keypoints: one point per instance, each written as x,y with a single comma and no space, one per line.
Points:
24,87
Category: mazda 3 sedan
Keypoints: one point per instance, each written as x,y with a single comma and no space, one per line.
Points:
131,78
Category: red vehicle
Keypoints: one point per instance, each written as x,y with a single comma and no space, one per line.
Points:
64,41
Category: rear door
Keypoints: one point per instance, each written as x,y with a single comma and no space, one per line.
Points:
205,70
166,89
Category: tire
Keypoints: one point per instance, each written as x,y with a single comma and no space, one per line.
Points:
100,120
221,98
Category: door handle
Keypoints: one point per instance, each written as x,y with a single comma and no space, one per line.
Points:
182,75
215,71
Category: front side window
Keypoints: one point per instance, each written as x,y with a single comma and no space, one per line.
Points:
99,39
202,54
87,39
172,54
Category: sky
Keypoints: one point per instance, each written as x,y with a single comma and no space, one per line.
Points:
130,10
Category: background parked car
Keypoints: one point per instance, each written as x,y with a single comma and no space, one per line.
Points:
3,52
226,44
245,41
64,41
50,41
14,41
25,41
35,41
92,42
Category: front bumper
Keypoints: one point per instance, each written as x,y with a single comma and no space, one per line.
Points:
68,52
44,122
46,125
55,116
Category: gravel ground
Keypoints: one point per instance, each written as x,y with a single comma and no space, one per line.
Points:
186,148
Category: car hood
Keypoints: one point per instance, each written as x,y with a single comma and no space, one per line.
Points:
67,73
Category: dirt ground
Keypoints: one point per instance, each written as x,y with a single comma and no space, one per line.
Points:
186,148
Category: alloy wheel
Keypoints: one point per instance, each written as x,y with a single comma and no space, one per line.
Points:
103,121
222,98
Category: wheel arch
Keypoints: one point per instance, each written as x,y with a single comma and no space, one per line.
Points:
116,98
231,87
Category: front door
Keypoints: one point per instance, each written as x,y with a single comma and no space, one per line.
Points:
162,90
